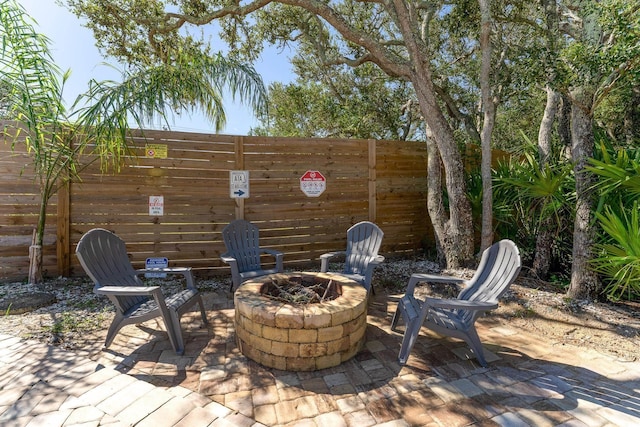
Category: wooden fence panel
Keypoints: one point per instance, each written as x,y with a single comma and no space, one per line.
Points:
19,207
382,181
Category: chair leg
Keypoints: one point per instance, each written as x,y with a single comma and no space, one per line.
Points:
411,332
202,311
473,340
171,320
396,317
176,332
115,326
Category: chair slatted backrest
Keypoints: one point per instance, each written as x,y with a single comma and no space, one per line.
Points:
103,255
242,240
499,267
363,243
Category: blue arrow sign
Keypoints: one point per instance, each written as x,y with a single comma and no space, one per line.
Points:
239,184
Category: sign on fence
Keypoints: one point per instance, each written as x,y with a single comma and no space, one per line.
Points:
156,205
156,151
313,183
239,184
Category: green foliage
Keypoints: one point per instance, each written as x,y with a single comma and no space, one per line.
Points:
603,50
194,80
185,78
619,175
75,321
520,116
528,196
619,261
348,103
618,257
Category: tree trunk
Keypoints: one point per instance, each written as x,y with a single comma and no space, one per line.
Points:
564,125
35,250
631,122
544,239
546,125
457,234
456,231
488,106
435,204
584,281
35,261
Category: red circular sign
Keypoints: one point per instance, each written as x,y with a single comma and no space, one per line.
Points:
313,183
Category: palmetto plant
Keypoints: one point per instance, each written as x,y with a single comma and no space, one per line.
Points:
529,196
618,216
619,175
619,259
53,136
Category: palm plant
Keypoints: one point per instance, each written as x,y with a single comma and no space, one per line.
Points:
619,245
533,198
619,259
193,79
619,175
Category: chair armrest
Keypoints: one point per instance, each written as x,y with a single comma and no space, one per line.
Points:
379,259
270,251
373,263
461,304
126,290
233,266
324,259
434,278
279,257
228,258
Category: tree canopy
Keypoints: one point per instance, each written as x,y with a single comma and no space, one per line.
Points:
585,51
55,135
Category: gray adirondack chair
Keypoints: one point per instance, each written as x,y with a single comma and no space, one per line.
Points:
498,269
361,256
103,257
242,240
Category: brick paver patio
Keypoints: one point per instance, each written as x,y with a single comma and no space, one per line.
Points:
140,381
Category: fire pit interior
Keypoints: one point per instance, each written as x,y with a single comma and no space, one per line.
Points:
300,289
300,321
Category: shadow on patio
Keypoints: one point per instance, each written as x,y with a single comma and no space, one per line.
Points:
529,380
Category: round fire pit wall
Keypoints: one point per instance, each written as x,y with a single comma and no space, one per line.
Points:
306,337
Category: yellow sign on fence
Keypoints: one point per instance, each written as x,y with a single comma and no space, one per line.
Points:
157,151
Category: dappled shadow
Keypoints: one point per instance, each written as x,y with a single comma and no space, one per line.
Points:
441,382
535,300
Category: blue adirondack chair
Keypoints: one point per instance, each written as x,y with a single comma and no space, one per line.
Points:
361,256
498,269
103,257
242,240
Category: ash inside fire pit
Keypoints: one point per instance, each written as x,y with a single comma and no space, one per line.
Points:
302,289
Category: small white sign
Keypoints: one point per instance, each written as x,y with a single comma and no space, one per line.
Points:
156,263
156,205
313,183
239,184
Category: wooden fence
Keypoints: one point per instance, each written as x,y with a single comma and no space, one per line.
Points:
380,181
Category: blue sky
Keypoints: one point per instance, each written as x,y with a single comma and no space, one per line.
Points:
73,47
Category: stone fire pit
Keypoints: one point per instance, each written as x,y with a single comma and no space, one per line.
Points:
300,337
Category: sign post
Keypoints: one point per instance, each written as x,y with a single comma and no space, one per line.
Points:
156,263
313,183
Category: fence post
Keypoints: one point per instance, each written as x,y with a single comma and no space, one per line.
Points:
373,208
239,149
